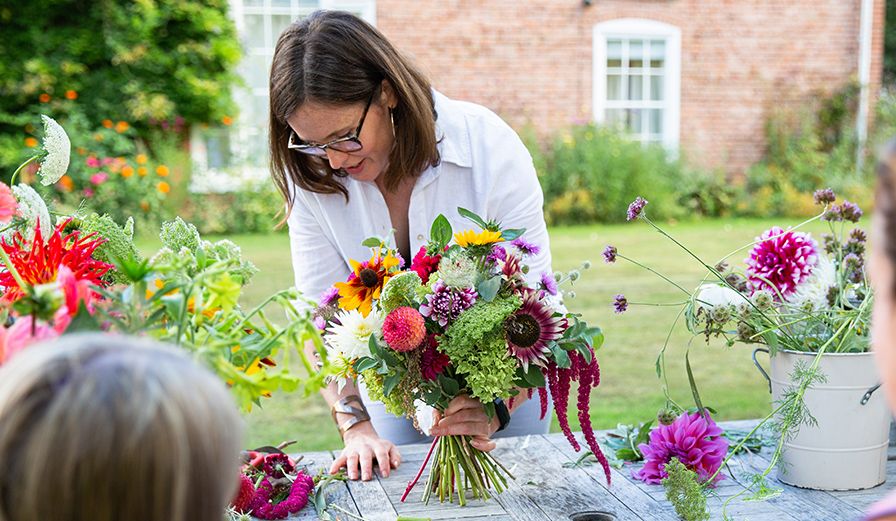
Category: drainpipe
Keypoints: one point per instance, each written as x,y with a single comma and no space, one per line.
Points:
865,27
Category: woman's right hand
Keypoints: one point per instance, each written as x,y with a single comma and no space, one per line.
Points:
362,445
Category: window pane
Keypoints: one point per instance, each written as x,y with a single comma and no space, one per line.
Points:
656,121
633,120
614,117
253,3
278,24
614,87
636,54
614,53
256,70
310,4
255,31
217,143
635,88
281,3
657,54
656,88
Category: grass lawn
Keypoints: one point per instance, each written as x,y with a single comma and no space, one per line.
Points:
629,390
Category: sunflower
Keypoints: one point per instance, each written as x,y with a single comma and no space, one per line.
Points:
471,238
531,328
365,282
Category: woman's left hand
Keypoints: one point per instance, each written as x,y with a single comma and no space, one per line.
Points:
465,416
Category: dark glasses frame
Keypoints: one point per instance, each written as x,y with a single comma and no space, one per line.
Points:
350,143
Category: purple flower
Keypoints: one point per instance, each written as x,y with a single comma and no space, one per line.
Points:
530,329
833,214
548,283
825,196
320,323
781,261
610,254
621,303
850,211
329,296
696,441
445,304
498,254
525,247
858,235
635,209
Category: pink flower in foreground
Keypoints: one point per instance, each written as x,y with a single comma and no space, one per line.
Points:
781,261
8,204
99,178
92,162
403,329
19,336
696,441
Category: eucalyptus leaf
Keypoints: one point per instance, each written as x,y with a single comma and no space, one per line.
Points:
488,288
561,357
511,234
365,363
374,346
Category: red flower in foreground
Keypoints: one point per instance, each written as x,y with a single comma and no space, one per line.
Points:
432,361
41,263
424,265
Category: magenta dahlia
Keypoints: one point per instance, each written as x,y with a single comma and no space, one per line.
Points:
445,303
244,496
695,440
531,328
781,261
432,361
403,329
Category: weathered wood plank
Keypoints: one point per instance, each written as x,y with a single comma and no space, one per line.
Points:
630,493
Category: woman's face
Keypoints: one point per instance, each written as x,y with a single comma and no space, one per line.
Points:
883,321
318,123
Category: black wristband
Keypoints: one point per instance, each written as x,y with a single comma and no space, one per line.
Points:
502,413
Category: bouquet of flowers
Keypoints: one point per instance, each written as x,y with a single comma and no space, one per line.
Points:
84,273
460,321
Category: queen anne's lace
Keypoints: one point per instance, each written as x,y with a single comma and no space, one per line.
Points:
57,152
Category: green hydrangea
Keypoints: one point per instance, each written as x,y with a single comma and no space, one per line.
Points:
400,290
119,241
178,234
374,383
477,348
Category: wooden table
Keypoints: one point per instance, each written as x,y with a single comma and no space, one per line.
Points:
546,491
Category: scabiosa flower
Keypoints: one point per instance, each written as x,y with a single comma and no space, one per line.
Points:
620,303
531,328
695,440
365,282
403,329
850,211
8,205
351,336
635,209
57,152
432,361
825,196
610,254
781,261
329,296
525,247
548,283
277,465
460,272
445,304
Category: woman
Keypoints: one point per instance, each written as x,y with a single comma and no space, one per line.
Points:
361,145
105,428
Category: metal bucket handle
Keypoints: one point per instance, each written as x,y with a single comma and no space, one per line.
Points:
868,393
761,370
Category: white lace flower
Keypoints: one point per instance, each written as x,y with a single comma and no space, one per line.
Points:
814,290
350,337
57,149
31,209
425,416
710,296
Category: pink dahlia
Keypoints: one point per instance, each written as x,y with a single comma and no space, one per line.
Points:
696,441
781,261
432,361
531,328
404,329
8,204
424,265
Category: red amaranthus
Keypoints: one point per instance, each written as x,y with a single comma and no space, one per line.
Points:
40,263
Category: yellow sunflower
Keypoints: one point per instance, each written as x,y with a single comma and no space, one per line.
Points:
471,238
365,283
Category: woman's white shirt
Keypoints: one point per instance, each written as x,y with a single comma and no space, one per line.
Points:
484,167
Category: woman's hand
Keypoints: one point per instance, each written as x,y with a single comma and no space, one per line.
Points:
465,416
362,445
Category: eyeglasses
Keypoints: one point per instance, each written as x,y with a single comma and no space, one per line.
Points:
350,143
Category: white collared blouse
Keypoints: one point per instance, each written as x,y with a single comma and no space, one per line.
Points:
484,167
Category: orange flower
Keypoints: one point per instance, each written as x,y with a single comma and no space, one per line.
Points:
82,151
67,183
227,121
30,142
127,171
163,187
108,123
70,94
141,159
162,170
121,126
144,206
365,282
142,171
44,98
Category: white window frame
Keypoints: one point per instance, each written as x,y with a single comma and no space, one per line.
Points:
641,29
232,178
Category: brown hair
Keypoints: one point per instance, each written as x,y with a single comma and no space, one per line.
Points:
334,57
105,428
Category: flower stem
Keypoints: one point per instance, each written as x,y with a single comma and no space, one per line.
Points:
658,274
420,472
27,162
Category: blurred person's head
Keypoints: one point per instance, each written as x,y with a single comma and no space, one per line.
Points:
337,81
111,428
882,270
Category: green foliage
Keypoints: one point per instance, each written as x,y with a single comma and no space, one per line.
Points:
119,243
684,491
252,209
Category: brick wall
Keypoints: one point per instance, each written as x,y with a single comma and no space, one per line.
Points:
531,61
